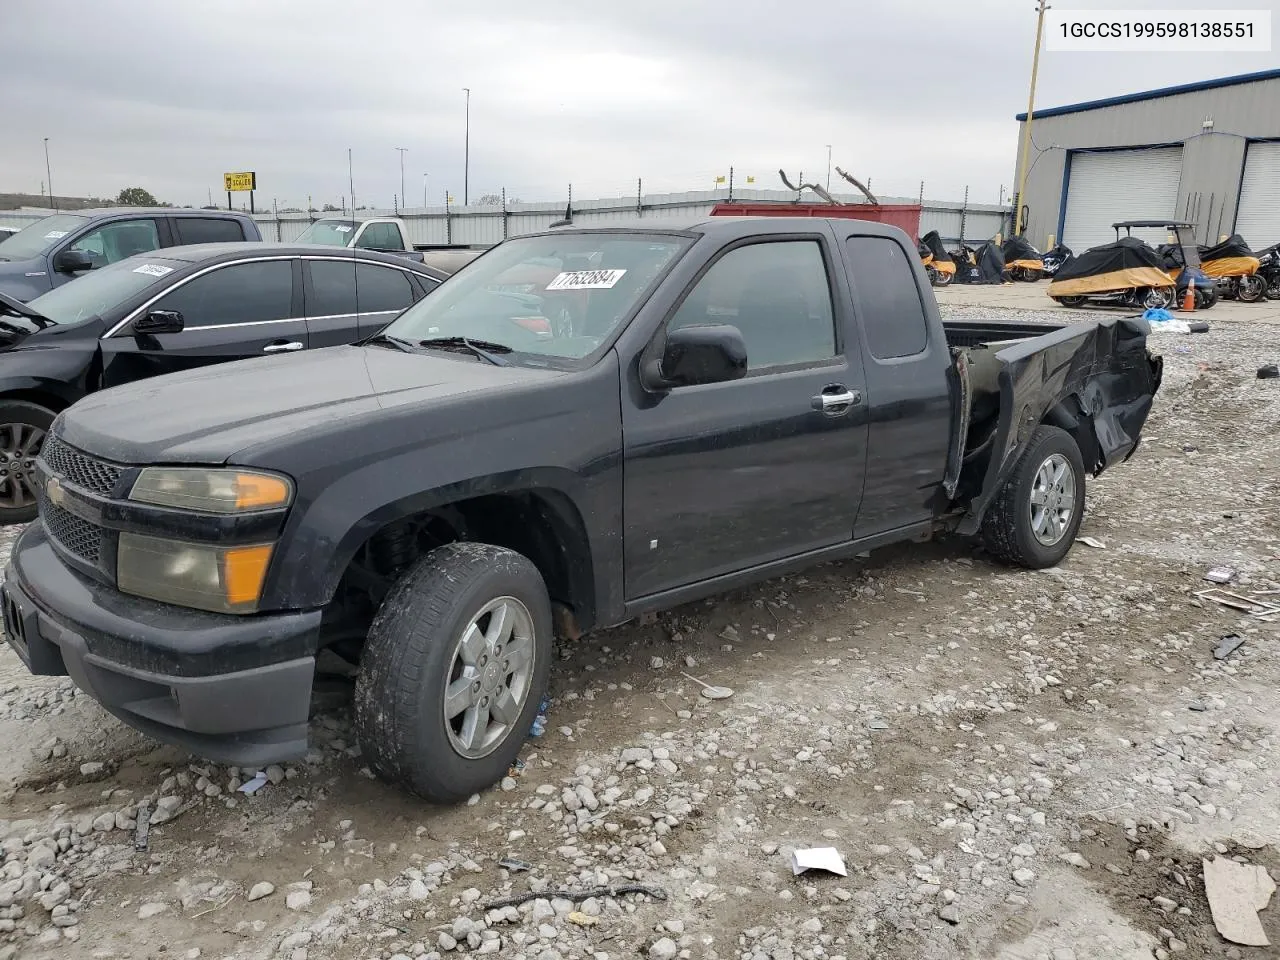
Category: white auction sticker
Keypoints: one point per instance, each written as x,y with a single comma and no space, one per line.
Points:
343,229
586,280
153,269
55,234
1158,31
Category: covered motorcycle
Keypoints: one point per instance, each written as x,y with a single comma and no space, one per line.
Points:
938,264
1174,257
1055,258
1022,260
984,265
1270,270
1126,273
1235,269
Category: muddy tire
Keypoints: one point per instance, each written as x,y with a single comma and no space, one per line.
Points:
453,671
23,427
1033,520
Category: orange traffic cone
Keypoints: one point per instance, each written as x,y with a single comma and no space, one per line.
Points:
1189,298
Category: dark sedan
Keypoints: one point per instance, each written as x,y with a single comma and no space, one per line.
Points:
175,309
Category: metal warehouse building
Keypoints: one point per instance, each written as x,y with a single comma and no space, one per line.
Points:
1204,152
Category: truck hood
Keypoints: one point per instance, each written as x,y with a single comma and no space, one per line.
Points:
207,415
24,279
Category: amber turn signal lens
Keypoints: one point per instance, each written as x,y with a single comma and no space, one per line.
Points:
256,490
244,569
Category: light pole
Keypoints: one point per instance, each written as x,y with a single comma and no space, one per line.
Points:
1026,129
828,168
424,191
49,175
403,199
466,151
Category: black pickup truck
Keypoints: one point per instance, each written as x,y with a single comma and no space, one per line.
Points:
578,427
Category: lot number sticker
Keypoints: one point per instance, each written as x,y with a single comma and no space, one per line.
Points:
55,234
343,229
586,280
153,270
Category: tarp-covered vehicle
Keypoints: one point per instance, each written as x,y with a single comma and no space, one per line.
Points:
1022,261
1055,258
984,265
1235,269
1128,273
938,264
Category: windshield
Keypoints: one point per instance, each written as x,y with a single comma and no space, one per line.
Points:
39,237
107,287
332,233
555,296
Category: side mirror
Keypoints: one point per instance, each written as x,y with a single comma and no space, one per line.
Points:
72,261
713,353
159,321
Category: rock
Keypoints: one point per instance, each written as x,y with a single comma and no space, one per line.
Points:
41,858
446,942
1063,953
634,755
1075,859
950,913
664,949
1176,945
275,773
676,927
104,823
542,910
419,890
1165,904
463,927
260,890
298,900
149,910
91,769
1023,877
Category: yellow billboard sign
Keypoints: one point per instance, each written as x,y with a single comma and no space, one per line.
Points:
239,182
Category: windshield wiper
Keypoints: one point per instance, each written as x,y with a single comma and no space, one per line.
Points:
396,342
484,349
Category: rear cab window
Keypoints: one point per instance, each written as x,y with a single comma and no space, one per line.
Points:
190,230
887,297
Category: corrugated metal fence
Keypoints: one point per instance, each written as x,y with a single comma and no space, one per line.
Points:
486,225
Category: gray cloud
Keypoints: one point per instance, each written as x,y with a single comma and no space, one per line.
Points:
169,95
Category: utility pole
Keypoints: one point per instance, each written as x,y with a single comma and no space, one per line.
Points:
466,152
828,168
49,174
1026,127
424,191
403,198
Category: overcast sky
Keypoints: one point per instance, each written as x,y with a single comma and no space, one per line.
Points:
169,94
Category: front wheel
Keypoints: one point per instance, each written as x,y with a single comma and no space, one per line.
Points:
22,431
1026,274
1034,519
1071,301
1273,285
1206,297
1158,298
453,671
1252,288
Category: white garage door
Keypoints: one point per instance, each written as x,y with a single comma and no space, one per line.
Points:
1120,185
1258,218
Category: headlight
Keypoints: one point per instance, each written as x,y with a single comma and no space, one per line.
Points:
203,576
211,490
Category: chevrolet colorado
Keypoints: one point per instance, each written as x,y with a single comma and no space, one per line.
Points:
578,427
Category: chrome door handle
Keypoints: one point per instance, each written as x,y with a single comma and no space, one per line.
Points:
835,404
288,347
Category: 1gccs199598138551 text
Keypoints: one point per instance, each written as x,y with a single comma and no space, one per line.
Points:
1119,31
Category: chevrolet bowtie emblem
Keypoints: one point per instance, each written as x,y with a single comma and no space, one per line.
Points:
53,490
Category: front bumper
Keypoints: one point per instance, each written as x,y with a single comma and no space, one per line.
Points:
234,690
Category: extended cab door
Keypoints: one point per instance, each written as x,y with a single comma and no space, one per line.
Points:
230,312
109,243
907,361
722,477
347,300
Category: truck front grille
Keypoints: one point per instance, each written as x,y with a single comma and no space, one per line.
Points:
67,463
78,537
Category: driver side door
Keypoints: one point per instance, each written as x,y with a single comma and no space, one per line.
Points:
111,243
229,312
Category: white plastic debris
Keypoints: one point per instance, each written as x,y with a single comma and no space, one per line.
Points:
1092,542
818,858
251,787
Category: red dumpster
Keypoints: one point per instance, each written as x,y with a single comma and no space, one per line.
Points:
904,216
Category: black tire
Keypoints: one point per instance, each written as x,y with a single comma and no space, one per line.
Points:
1071,301
17,493
1206,297
1007,530
409,655
1252,288
1158,298
943,278
1273,285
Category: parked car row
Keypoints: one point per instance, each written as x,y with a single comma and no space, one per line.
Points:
578,427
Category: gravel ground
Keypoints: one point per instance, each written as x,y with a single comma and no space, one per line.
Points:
1013,765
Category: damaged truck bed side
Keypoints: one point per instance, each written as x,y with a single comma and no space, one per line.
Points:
578,427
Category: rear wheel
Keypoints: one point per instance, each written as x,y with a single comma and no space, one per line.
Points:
22,431
1252,288
1273,285
1206,297
1026,274
453,671
1158,298
1034,518
1071,301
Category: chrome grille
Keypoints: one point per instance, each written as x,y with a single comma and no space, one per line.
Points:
67,463
79,537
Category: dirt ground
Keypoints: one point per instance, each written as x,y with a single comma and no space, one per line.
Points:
1013,765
